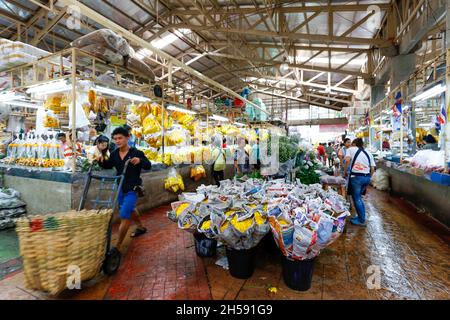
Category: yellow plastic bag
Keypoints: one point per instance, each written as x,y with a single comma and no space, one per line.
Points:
150,125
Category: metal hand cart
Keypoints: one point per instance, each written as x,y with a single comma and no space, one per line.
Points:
111,185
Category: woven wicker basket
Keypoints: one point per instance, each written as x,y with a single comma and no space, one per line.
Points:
49,244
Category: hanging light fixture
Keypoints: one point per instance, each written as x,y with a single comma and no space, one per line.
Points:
120,93
50,87
284,67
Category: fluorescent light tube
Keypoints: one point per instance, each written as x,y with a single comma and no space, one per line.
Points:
9,96
432,92
121,94
218,118
22,104
425,124
173,108
51,87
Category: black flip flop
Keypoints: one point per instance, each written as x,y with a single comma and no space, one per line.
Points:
138,232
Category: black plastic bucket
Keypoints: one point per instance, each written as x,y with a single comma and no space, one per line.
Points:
269,245
241,263
204,247
297,275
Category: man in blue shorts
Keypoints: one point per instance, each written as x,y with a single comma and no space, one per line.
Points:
127,196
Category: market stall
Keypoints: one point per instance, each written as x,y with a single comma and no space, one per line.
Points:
406,134
88,90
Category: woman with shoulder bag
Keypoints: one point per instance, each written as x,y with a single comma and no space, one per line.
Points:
362,166
218,167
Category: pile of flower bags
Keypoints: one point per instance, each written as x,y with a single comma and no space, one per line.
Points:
304,219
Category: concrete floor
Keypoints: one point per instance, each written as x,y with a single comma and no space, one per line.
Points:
410,249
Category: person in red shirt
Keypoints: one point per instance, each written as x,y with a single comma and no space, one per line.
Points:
321,151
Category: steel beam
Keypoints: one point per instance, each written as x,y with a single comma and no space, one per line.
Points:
95,16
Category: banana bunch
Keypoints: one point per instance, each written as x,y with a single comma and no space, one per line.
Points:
174,184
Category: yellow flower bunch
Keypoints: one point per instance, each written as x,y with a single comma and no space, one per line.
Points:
150,125
167,160
198,172
174,184
51,122
241,226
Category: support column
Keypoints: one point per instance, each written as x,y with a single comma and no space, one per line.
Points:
446,136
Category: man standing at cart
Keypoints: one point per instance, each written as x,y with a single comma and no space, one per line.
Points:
132,184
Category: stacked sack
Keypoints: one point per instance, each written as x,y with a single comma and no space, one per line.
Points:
11,207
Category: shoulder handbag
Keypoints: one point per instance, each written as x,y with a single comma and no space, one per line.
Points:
140,191
220,154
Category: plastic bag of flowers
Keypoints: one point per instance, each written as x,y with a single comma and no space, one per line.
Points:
324,231
283,232
178,208
206,227
262,226
243,223
188,221
305,236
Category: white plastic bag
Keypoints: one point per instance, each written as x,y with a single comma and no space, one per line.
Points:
81,119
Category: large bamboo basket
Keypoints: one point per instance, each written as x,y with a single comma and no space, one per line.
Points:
49,244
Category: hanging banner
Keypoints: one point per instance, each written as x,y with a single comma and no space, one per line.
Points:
332,128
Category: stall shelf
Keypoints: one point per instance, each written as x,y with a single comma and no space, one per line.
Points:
419,189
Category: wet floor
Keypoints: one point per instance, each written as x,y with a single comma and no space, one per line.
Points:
408,250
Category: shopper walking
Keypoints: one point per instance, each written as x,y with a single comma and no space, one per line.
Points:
362,166
329,151
218,167
241,158
128,196
322,153
343,153
256,156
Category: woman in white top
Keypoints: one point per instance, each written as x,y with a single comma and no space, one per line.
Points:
360,165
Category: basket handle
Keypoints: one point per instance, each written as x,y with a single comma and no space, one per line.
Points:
101,208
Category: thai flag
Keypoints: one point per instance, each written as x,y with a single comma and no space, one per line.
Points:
367,118
397,108
442,116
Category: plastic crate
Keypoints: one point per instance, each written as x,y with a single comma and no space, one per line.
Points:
441,178
395,159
